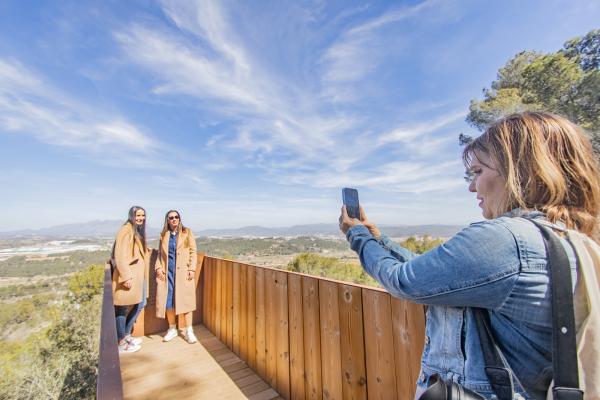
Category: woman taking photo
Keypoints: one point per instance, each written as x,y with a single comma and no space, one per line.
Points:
175,276
130,277
527,166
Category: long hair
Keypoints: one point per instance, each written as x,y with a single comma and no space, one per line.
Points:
180,227
548,164
139,230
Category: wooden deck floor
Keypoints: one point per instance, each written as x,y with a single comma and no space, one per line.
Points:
178,370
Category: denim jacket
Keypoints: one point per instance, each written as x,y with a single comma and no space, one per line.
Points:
497,264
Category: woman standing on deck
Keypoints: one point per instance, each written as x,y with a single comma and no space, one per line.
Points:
130,277
527,166
175,273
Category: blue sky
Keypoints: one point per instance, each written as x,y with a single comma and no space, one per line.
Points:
252,112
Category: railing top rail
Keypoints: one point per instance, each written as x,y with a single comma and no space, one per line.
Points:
109,384
323,278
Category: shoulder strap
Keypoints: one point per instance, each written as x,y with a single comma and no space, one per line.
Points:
496,368
564,343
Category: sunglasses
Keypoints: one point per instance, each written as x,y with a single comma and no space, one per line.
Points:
173,217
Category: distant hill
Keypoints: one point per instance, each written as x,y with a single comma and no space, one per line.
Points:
95,229
108,228
333,230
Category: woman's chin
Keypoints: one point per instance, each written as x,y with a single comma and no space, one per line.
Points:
486,214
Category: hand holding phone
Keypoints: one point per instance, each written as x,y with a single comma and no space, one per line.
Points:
354,210
350,200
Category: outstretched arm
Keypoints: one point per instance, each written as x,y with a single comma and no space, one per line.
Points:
478,267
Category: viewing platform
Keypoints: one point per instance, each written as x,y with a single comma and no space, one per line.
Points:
266,333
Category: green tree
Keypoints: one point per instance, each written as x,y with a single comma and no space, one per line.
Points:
586,50
566,82
59,362
330,267
422,245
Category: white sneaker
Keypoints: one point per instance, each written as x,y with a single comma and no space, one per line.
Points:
171,334
134,340
189,336
128,348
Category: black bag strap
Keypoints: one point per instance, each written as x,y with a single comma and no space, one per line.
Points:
496,368
564,342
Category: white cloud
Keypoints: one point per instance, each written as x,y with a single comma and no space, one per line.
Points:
28,104
285,128
410,132
214,67
396,176
357,52
205,19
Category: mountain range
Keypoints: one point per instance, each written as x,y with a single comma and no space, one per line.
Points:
108,229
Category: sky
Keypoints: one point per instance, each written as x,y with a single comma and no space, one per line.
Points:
254,112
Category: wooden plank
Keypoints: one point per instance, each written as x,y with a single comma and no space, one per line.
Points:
408,321
236,308
215,297
251,315
379,345
218,297
331,360
282,342
210,295
199,282
229,271
312,337
243,307
223,304
296,337
261,360
354,375
271,323
205,292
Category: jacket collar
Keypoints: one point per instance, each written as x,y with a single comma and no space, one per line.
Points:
534,214
181,236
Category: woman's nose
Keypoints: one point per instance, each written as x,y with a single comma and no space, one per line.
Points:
472,186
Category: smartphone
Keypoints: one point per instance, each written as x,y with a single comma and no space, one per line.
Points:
350,199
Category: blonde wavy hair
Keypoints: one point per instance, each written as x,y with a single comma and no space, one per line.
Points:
548,164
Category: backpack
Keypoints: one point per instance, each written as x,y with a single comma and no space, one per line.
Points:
586,304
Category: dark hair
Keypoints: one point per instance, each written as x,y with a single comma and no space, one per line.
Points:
139,230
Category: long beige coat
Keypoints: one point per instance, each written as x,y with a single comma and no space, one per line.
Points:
186,259
131,262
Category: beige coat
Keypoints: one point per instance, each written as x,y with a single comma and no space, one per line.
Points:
186,259
131,262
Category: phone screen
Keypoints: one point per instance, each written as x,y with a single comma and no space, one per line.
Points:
350,199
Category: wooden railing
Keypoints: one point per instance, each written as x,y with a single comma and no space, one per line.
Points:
313,338
108,385
308,337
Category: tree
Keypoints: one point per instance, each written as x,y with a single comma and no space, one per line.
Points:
59,362
566,82
330,267
585,50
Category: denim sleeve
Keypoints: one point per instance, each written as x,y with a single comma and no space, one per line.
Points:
399,252
477,268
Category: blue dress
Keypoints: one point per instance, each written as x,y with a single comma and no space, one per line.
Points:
171,273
